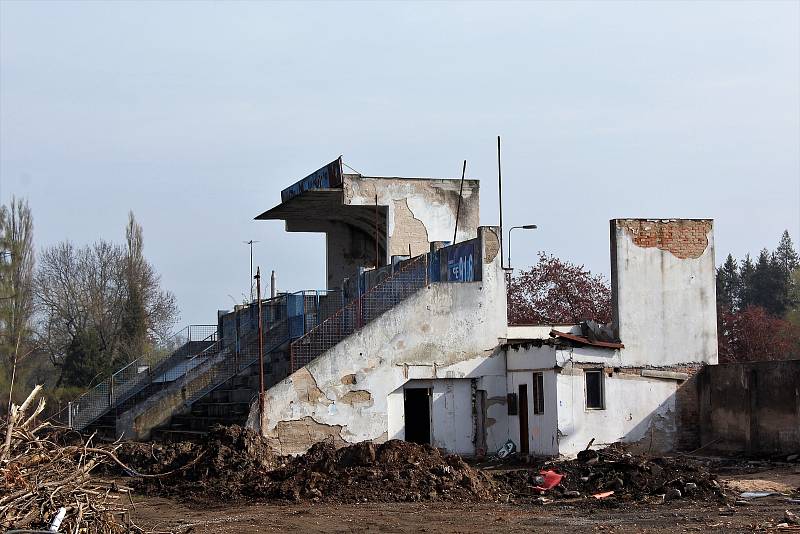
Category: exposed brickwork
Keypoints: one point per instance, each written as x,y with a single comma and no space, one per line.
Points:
684,238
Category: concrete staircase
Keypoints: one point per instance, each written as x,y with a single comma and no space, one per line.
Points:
227,404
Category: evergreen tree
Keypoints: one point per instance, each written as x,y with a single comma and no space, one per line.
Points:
133,335
728,285
747,270
785,254
769,284
85,362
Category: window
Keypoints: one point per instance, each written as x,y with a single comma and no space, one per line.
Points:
538,393
594,389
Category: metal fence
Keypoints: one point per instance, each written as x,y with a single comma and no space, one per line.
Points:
407,278
135,376
216,367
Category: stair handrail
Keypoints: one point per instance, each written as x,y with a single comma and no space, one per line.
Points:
395,276
104,391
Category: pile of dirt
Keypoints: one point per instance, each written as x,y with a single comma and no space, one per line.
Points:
227,463
389,472
629,477
235,462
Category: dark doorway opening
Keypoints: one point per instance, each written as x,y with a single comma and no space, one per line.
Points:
523,419
417,408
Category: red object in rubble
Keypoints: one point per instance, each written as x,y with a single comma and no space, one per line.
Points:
551,480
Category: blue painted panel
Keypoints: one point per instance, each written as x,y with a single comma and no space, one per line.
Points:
327,177
463,264
296,314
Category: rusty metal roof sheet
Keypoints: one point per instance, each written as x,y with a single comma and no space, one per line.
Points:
586,341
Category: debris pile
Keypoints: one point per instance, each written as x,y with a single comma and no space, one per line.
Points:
236,462
228,463
392,471
614,472
44,484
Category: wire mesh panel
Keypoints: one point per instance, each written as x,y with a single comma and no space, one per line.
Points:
134,376
407,279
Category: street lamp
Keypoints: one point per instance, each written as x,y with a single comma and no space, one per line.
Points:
524,227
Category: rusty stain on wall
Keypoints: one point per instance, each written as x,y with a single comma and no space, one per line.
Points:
685,238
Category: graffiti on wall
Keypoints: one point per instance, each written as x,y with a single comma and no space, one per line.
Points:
463,264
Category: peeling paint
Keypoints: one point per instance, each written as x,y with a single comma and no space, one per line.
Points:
306,388
348,380
357,396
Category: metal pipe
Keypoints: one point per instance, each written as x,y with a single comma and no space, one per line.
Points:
272,285
500,197
261,398
377,255
460,193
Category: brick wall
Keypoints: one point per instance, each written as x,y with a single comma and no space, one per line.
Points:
684,238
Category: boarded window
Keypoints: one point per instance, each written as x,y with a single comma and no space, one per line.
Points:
594,389
538,393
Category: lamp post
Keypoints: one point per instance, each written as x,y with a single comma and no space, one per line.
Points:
524,227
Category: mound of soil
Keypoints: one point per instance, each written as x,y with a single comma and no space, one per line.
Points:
235,462
630,477
389,472
227,463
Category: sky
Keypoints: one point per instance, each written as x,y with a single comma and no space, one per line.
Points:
196,114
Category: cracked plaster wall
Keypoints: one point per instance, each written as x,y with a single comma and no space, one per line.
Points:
444,331
664,290
420,210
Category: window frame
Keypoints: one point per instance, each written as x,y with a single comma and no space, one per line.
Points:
601,382
537,393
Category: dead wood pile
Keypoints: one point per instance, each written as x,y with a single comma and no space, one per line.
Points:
42,480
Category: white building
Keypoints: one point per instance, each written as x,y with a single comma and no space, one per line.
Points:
422,350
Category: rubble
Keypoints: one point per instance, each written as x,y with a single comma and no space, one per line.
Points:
235,462
613,471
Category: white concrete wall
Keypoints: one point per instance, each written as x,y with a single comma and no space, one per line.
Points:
452,424
444,331
542,428
420,211
665,296
637,409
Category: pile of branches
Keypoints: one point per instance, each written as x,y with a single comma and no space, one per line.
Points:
48,485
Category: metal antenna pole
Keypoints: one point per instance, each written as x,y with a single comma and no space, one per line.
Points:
251,242
500,197
261,398
460,193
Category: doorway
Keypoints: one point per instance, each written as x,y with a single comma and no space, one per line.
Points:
417,409
524,446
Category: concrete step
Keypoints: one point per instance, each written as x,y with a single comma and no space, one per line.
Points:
230,395
220,409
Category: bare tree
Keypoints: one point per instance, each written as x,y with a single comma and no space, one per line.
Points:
89,297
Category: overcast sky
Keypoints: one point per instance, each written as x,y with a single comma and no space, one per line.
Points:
196,115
